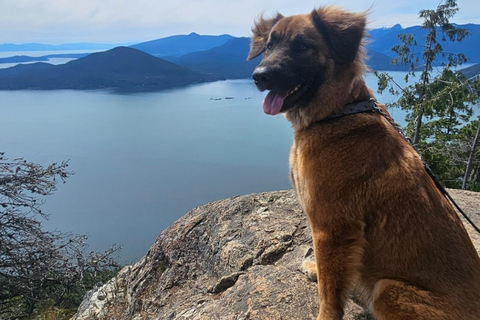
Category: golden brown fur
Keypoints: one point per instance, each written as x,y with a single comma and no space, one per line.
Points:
381,229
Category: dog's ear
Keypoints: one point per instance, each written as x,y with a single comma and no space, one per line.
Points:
343,31
261,30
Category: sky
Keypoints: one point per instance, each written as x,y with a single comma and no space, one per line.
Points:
133,21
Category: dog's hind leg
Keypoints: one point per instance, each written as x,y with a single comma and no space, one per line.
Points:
396,300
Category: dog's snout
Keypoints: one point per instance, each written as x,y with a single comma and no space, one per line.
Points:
262,77
261,74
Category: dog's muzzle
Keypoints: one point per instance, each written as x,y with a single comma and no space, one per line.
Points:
263,76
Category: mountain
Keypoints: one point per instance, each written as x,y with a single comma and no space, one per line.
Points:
24,58
383,40
228,60
165,47
380,32
121,68
471,71
381,62
181,44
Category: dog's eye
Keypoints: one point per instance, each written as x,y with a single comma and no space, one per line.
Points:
300,45
269,46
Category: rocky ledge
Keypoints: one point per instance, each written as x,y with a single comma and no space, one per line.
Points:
232,259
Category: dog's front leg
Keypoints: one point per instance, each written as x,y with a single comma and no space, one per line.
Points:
338,253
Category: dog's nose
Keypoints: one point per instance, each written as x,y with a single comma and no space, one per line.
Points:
262,76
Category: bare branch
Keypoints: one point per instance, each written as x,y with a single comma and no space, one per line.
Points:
38,265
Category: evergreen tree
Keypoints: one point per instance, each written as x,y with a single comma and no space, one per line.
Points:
440,102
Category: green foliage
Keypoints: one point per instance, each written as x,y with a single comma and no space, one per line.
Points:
47,311
440,103
59,302
71,298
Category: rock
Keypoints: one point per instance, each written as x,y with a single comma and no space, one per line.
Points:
234,259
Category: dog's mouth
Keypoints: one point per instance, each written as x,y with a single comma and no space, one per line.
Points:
277,101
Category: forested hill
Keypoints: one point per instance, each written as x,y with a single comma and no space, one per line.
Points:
121,68
382,40
471,71
228,60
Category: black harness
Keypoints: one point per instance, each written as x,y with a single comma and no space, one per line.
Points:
354,108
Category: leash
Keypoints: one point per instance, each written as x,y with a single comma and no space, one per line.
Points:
371,106
449,197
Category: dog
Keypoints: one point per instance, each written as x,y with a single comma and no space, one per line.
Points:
382,231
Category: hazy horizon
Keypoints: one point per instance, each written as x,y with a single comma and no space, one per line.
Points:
113,44
120,22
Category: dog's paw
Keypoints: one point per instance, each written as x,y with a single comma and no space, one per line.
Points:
310,269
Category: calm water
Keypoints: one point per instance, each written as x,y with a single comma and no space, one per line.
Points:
141,161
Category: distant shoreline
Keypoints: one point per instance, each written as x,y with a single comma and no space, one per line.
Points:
45,58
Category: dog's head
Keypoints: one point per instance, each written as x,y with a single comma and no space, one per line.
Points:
301,53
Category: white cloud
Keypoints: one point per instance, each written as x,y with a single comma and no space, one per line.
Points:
57,21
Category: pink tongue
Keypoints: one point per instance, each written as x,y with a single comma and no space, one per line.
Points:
273,102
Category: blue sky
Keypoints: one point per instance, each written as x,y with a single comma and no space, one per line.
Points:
127,21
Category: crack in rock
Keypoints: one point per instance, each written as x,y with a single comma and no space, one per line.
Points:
273,254
225,282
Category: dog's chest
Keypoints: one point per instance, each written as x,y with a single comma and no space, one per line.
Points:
299,172
320,167
293,164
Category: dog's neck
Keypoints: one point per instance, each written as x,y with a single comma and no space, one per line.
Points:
331,97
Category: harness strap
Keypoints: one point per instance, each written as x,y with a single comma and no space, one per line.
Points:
353,108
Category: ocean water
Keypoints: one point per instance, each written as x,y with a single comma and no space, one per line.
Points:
143,160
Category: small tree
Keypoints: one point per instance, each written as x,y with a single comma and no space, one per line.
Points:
38,265
445,100
423,57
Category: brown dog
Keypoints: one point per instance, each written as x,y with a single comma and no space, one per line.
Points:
381,229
